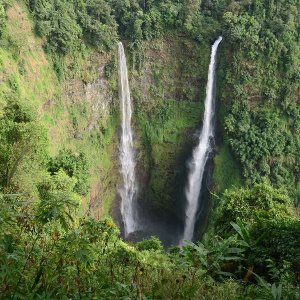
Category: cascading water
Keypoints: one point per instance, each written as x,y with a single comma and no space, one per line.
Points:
127,155
201,152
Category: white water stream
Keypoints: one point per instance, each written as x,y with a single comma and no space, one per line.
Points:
202,151
127,155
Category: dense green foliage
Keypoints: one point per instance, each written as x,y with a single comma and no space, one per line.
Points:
66,24
69,25
20,137
263,116
268,225
2,19
54,256
74,165
251,251
260,202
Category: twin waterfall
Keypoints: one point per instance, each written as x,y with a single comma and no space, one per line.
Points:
196,166
201,152
127,155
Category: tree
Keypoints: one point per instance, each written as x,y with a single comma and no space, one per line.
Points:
251,204
56,20
21,138
75,165
2,19
98,23
58,201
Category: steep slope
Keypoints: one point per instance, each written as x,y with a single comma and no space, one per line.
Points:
77,112
78,106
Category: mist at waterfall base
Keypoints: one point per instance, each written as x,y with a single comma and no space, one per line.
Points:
138,220
168,229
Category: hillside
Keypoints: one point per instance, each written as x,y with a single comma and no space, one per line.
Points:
62,230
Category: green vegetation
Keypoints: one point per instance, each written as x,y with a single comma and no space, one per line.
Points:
54,256
263,119
21,139
66,25
58,144
227,173
268,225
74,166
53,112
167,111
162,132
69,25
261,201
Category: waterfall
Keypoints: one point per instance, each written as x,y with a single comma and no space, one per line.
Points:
202,151
127,155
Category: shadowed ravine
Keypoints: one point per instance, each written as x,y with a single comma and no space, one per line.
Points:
139,223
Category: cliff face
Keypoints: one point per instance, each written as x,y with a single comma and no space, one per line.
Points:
92,122
81,112
168,86
77,112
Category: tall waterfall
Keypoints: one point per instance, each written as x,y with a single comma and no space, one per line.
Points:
127,154
202,151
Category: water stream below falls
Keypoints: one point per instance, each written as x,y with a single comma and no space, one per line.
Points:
201,153
128,191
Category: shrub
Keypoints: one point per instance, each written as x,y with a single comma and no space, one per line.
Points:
149,244
75,165
252,204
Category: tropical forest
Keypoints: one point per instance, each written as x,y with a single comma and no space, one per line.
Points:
150,149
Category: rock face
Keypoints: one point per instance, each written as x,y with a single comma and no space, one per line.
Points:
167,111
90,101
81,112
168,79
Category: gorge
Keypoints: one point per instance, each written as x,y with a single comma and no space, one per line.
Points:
196,165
